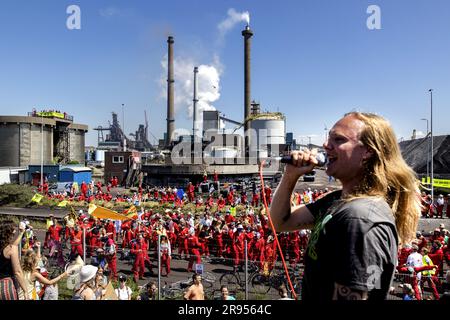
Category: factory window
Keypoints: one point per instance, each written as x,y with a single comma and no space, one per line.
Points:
117,159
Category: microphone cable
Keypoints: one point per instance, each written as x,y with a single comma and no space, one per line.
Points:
274,231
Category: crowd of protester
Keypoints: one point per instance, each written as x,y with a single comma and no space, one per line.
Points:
220,227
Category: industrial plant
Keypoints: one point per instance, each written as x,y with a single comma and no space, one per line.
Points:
51,138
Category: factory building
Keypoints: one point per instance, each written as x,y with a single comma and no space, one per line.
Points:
48,137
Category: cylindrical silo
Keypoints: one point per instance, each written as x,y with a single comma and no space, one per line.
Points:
268,135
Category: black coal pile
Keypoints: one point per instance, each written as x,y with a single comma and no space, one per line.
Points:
415,154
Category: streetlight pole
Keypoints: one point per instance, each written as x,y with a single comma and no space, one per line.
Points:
42,152
309,145
123,128
428,150
432,146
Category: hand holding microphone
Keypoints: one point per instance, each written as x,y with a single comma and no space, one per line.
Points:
302,162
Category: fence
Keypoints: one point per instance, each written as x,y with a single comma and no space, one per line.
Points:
251,280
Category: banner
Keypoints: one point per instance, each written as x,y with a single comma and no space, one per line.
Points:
37,198
103,213
62,203
438,183
131,213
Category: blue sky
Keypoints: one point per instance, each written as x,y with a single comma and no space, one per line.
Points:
312,60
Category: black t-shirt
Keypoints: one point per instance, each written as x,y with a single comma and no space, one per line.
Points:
354,244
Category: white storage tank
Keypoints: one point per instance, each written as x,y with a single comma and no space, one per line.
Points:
268,134
224,152
100,155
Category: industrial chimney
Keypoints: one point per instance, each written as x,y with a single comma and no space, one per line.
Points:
170,81
247,34
195,100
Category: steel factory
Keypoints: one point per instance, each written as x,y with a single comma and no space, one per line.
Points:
52,138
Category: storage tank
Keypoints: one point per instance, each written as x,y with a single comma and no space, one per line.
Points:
224,152
268,134
100,155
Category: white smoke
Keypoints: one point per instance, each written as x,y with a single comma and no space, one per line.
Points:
233,18
208,83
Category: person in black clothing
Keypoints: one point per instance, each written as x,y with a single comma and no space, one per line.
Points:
10,268
352,251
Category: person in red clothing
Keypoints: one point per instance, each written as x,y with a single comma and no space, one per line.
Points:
183,248
111,257
166,254
255,199
437,256
45,188
205,176
258,250
128,234
228,217
138,250
84,189
55,242
404,252
268,192
191,192
294,248
76,242
230,197
99,186
238,246
425,205
421,241
249,236
220,203
193,245
270,253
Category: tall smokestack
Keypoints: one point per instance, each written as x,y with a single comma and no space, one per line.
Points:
170,81
195,100
247,34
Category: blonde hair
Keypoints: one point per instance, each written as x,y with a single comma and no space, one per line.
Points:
29,261
387,175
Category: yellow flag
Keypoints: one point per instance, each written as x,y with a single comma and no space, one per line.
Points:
233,211
37,198
131,213
62,203
103,213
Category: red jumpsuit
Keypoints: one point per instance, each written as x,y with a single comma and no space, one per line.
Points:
220,204
255,199
84,189
138,249
238,247
182,241
111,257
193,245
270,254
258,251
165,257
76,245
191,194
294,248
268,193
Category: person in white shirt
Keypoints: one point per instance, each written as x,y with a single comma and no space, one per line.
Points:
415,259
123,292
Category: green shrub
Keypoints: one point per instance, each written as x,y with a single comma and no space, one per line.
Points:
15,195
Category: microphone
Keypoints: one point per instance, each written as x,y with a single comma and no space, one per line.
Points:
320,157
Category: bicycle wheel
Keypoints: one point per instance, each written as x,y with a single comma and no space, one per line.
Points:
208,276
231,281
260,284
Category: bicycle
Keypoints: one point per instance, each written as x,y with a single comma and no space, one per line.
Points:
262,283
235,281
